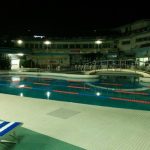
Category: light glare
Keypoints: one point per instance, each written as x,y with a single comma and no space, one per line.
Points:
15,79
98,42
19,42
20,54
21,86
47,42
98,93
21,94
48,94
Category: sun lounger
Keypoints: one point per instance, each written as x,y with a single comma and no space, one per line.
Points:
7,131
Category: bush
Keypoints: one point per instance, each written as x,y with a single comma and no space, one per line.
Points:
5,62
29,64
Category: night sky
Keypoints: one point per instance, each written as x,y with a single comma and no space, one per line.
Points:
65,18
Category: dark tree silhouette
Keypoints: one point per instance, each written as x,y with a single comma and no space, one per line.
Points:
5,63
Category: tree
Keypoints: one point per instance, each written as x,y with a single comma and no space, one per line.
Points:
5,63
28,63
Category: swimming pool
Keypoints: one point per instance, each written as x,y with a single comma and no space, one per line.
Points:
112,91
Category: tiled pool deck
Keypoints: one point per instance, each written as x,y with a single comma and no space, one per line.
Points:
84,126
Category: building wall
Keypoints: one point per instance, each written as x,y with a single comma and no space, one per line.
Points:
62,50
52,60
139,25
125,44
134,42
136,26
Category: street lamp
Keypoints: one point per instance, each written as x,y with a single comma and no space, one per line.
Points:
47,43
98,42
19,42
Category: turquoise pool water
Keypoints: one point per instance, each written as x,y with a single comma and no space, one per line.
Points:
112,91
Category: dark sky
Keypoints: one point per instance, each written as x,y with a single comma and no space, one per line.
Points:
63,18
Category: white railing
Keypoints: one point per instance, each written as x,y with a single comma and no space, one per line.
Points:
113,64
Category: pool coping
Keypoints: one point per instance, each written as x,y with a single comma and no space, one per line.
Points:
92,124
87,74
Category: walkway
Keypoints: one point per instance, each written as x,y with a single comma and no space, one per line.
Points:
85,126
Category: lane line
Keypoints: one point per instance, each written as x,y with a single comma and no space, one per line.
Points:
65,92
127,92
41,83
130,100
78,87
112,84
25,87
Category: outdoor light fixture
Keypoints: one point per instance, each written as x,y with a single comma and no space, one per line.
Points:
98,93
48,94
47,42
19,42
20,54
98,42
21,94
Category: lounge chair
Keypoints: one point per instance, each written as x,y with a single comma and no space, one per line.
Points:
7,131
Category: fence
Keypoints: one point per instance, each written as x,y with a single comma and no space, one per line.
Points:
113,64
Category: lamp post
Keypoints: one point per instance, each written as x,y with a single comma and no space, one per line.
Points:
19,42
17,58
98,42
47,43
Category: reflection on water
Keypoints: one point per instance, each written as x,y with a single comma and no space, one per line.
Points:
119,79
48,94
115,91
21,94
15,78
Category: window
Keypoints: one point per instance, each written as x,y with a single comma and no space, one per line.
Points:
77,45
106,45
72,46
54,46
36,46
143,39
59,46
85,45
45,47
91,46
31,45
125,42
26,45
40,46
65,45
145,45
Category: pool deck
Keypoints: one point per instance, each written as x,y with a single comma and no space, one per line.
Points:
87,126
126,72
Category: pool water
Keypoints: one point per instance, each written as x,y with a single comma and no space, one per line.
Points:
112,91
